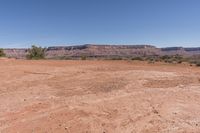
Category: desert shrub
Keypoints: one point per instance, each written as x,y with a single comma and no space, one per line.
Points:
137,58
65,58
198,63
178,57
165,57
61,58
116,58
179,62
2,54
192,61
36,53
83,57
172,58
169,61
151,61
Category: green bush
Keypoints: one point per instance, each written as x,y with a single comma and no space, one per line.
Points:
36,53
2,54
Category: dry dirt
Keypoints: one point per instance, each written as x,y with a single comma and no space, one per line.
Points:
98,97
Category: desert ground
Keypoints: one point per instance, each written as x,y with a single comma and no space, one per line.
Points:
49,96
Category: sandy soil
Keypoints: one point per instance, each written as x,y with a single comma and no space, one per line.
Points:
98,97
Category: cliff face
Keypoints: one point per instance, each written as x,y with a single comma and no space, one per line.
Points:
100,50
92,50
118,50
16,53
181,51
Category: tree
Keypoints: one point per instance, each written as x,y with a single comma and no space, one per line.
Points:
2,54
36,53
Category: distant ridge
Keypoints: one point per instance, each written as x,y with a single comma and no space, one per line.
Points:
106,51
103,45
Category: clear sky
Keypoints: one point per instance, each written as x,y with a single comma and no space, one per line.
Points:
61,22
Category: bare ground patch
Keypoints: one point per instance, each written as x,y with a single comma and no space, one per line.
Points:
98,97
167,83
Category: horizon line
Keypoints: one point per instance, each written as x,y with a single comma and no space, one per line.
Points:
106,44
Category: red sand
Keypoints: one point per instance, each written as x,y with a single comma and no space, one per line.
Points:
98,97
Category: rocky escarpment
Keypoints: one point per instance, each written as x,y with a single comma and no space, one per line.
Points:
101,51
106,51
16,53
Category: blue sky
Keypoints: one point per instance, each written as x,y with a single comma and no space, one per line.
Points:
67,22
